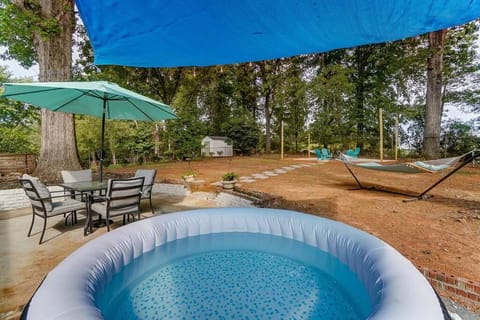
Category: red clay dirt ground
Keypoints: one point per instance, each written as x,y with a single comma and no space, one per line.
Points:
441,233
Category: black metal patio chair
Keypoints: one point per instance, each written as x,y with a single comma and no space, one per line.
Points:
149,175
122,199
43,206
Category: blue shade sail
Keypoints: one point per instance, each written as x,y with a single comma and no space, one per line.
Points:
161,33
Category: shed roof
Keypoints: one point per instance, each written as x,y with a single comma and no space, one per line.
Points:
217,138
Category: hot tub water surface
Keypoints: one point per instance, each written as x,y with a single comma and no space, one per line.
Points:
235,275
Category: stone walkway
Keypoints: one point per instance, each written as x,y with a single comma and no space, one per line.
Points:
266,174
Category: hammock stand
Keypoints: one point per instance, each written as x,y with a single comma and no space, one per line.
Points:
431,166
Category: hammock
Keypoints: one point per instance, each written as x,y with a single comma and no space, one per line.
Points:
431,166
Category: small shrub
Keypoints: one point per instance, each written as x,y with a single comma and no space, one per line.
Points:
190,173
230,176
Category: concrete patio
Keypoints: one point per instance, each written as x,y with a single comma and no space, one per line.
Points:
24,263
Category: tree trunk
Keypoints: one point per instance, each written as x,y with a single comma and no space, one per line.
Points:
58,149
114,158
433,110
156,140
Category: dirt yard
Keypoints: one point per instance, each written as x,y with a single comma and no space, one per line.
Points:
441,233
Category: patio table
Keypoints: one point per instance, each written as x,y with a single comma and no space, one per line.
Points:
87,188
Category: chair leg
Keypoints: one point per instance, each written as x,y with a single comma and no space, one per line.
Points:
66,216
151,206
43,231
31,225
108,222
73,217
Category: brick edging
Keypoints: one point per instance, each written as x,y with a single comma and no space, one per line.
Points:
459,286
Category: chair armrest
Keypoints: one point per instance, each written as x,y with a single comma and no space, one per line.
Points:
99,198
59,196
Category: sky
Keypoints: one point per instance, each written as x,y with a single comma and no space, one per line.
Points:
18,71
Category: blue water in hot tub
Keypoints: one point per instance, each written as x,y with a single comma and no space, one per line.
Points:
235,276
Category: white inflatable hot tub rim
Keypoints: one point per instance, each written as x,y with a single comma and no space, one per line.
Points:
398,289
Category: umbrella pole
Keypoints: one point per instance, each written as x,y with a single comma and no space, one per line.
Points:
102,140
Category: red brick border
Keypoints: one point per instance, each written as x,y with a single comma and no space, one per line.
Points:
462,287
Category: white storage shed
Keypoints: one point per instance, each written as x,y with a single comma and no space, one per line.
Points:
215,146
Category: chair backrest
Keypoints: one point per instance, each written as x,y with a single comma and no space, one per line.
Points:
353,153
37,192
149,175
123,193
77,175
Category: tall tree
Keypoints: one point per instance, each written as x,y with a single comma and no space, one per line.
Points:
333,98
268,72
42,31
291,103
433,110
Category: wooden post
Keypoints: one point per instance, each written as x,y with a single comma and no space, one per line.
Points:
380,123
281,141
26,164
396,138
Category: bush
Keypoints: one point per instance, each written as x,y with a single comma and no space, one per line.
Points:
230,176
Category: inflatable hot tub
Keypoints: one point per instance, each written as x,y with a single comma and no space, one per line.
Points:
395,287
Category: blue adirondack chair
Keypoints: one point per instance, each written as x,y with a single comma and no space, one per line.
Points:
323,154
326,154
353,153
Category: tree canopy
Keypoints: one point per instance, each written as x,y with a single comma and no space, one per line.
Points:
332,97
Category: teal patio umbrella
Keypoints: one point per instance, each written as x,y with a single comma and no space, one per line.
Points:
96,98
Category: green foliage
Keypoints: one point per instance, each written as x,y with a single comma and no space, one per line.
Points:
461,68
190,173
243,133
457,139
230,176
88,137
17,34
125,141
19,124
19,140
334,113
291,105
19,26
184,135
14,114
